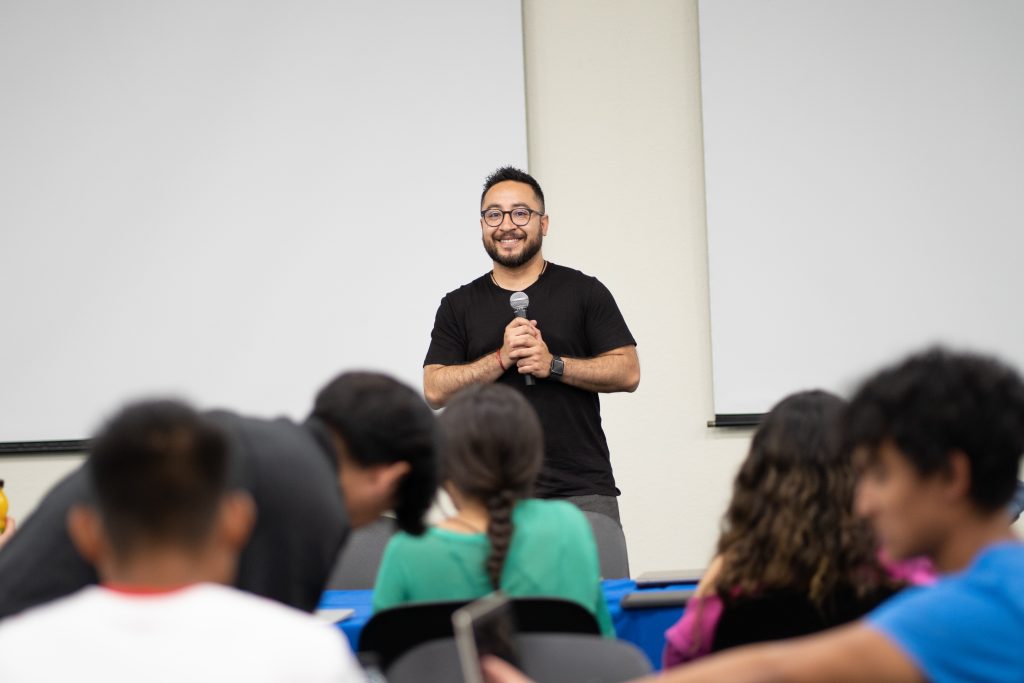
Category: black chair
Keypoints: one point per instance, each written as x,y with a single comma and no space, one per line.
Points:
544,657
358,562
780,614
392,632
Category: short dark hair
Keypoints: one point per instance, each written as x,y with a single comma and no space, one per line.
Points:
383,421
938,402
159,471
492,448
512,173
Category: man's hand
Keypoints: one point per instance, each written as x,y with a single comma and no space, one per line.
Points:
527,348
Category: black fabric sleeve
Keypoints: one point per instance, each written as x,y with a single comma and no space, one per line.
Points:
40,563
606,328
447,339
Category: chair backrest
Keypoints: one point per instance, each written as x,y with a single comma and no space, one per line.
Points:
611,545
553,615
543,657
392,632
358,562
787,614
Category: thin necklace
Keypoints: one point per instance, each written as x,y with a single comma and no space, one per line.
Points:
543,268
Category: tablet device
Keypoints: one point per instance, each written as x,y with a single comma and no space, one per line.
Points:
484,627
644,599
668,578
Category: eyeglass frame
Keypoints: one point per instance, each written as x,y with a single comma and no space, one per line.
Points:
509,214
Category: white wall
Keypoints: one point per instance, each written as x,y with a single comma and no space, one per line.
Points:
614,131
614,122
27,478
614,125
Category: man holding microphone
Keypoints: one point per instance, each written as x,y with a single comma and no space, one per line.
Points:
566,335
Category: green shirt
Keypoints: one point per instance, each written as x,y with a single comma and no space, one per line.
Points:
552,554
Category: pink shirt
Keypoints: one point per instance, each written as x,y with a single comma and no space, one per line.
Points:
694,634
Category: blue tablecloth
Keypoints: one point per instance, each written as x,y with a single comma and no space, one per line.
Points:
645,628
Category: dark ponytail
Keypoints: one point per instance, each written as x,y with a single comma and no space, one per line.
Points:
491,449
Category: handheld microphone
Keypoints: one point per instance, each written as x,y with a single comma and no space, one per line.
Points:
519,302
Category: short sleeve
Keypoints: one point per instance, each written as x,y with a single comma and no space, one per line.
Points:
605,327
694,634
447,339
954,632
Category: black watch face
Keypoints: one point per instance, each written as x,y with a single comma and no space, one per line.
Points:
557,366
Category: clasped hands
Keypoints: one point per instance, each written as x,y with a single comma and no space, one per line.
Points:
524,346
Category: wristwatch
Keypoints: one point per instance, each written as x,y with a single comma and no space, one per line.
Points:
557,367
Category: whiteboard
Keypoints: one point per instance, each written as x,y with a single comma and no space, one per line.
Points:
863,175
233,201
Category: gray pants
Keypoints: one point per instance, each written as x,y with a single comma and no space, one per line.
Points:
606,505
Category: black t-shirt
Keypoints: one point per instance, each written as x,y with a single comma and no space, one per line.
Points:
578,318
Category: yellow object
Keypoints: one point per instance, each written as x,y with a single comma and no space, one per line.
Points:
3,508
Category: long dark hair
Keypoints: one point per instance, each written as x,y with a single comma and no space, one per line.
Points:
491,448
790,524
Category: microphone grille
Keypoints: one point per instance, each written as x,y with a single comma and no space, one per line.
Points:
519,300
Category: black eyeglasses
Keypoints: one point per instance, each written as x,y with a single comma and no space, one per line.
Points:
520,216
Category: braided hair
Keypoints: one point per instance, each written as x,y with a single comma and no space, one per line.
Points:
491,449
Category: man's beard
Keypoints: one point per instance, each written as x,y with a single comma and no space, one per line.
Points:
530,249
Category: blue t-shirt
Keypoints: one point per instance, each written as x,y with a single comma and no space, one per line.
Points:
967,627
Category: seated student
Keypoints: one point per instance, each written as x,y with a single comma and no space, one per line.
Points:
367,447
164,534
490,451
939,439
792,558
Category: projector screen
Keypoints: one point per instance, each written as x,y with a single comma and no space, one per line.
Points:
233,201
863,172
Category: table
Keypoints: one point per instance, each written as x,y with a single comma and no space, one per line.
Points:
645,628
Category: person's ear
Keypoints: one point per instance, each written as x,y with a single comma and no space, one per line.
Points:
544,225
86,531
957,484
236,518
386,478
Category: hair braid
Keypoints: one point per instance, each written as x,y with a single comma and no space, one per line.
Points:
499,533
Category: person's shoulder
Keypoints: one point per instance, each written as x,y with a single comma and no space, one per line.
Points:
566,273
40,621
999,568
992,584
1008,555
403,541
566,277
256,610
560,512
304,637
470,288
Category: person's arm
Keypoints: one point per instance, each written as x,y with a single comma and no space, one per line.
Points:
614,370
850,654
441,382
